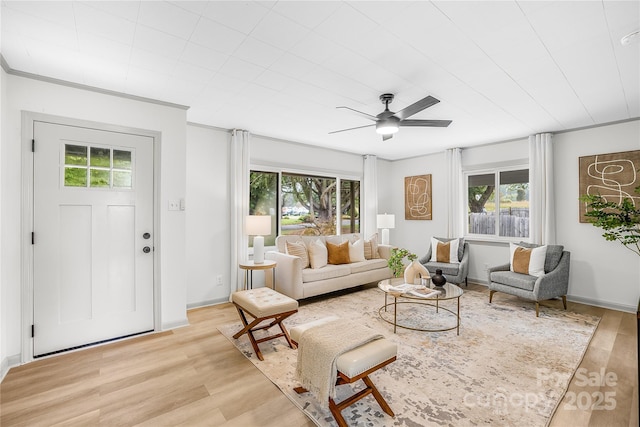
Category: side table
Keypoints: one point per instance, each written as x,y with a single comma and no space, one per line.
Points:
250,266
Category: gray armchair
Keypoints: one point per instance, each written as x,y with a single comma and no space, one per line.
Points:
553,284
455,273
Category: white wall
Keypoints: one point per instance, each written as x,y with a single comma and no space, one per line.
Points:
208,223
602,273
3,332
415,235
268,151
208,235
42,97
483,254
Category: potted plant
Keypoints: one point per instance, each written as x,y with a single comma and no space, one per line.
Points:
396,263
620,221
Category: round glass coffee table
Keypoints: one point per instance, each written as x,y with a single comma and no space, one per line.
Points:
429,295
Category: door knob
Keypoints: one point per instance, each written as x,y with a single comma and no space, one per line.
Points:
146,249
146,236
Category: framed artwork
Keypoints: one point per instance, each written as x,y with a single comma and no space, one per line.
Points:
613,176
417,197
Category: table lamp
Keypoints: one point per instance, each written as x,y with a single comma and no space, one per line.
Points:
258,226
385,222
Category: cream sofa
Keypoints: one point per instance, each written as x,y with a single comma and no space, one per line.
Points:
297,282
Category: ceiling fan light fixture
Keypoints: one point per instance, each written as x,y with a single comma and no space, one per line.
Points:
387,127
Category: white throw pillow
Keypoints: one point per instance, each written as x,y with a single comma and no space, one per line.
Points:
318,254
356,251
527,260
448,251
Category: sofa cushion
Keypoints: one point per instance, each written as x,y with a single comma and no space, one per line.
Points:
446,252
338,254
356,251
300,250
554,253
516,280
447,268
527,260
368,265
317,254
327,272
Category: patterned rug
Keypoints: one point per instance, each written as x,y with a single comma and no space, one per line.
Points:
506,367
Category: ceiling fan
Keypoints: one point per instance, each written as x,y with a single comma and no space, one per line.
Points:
388,122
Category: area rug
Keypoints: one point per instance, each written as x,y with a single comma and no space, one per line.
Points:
506,367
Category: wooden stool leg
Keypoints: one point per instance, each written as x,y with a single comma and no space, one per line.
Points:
337,413
376,394
247,329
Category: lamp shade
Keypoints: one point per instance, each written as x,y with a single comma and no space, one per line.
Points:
386,221
258,225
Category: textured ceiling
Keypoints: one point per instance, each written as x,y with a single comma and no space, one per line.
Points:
501,70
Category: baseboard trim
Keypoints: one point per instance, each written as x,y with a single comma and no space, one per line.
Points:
627,308
207,303
8,363
482,282
175,325
631,308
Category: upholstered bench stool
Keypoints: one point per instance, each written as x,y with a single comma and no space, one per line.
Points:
263,304
354,365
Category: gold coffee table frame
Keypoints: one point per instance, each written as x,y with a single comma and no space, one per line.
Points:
447,292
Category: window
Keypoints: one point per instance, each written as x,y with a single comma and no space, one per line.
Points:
502,213
96,167
307,204
349,206
263,200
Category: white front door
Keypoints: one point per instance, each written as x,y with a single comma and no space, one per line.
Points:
93,236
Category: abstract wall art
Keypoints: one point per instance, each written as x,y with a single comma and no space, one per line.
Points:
417,197
614,176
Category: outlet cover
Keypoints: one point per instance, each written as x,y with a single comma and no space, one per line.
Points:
219,280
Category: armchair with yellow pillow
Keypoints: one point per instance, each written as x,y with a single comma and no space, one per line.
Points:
535,272
451,255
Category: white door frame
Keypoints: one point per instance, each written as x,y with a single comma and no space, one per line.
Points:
26,226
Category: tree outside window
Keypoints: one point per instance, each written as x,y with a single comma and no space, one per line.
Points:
511,217
308,204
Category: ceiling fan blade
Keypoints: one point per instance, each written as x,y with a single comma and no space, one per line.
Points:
368,116
416,107
344,130
385,137
429,123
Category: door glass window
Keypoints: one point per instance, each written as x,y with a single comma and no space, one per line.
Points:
97,167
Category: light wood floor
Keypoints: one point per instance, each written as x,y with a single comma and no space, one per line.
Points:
194,376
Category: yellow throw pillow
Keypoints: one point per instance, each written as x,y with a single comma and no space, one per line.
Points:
338,254
527,260
300,250
442,252
521,258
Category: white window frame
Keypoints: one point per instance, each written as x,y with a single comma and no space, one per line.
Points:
496,172
283,169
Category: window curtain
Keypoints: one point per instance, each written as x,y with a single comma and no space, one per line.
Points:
542,226
239,183
455,200
370,195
